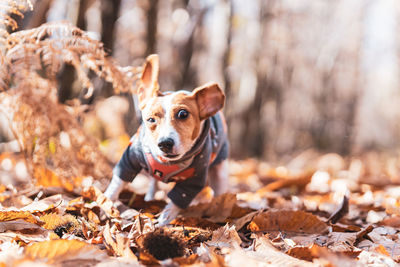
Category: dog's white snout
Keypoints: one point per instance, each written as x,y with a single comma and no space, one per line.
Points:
166,144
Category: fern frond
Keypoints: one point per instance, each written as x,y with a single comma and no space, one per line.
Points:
30,61
12,7
50,45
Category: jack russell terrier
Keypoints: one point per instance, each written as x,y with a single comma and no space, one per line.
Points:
182,139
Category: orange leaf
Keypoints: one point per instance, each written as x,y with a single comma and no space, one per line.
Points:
59,250
47,178
288,221
382,250
16,215
303,253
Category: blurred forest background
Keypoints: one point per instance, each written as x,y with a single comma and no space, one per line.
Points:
297,74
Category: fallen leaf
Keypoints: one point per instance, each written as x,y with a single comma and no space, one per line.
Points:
94,194
15,215
43,205
195,222
341,242
298,181
302,253
263,253
225,237
393,221
119,246
288,221
341,212
372,258
20,225
57,251
218,210
388,239
136,201
240,222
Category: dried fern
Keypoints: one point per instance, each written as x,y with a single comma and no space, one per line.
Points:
48,132
49,46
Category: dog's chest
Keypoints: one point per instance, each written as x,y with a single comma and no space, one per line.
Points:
169,172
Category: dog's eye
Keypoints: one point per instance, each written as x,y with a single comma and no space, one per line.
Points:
182,114
151,120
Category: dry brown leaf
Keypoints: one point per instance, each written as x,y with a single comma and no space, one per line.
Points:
386,237
225,237
185,261
263,254
15,215
148,259
136,201
303,253
57,251
44,205
120,246
341,242
288,221
218,210
372,258
239,223
342,210
141,225
30,237
393,221
94,194
195,222
20,225
338,227
327,257
299,182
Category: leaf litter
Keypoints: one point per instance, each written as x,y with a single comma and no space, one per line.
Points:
299,227
313,210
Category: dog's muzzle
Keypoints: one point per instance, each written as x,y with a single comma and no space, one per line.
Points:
166,145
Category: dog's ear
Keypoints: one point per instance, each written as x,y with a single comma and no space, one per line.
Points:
148,84
210,99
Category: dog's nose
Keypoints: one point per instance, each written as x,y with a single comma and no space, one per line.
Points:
166,144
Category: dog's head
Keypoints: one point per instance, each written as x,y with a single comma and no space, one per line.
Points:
173,121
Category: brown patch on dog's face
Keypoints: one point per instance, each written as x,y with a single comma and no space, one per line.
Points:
174,116
173,121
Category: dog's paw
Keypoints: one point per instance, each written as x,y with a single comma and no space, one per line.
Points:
168,214
114,188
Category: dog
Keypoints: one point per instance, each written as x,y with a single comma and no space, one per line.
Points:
182,139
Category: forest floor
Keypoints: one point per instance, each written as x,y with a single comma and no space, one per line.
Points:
317,210
314,210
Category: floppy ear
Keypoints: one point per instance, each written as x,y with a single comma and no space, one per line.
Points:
148,84
210,99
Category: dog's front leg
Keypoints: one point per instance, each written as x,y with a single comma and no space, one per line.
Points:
152,190
168,214
114,188
218,178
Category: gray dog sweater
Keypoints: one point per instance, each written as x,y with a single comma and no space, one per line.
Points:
189,173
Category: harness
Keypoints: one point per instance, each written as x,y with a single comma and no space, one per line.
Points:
179,170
